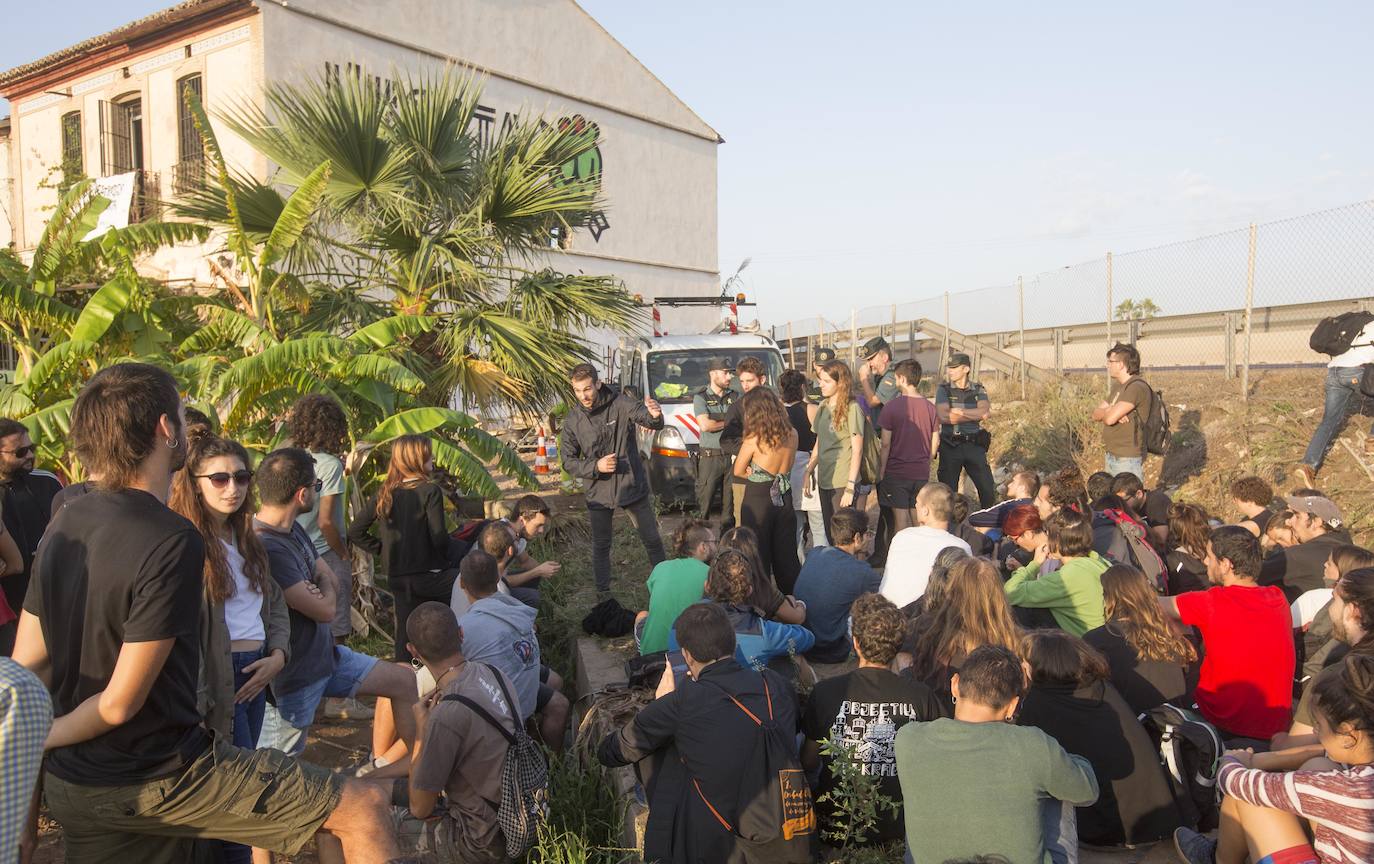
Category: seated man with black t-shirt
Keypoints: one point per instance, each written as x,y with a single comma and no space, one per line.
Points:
1150,508
1319,528
317,668
1252,496
863,710
111,624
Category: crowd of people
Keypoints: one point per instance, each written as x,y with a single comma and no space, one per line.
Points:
1005,672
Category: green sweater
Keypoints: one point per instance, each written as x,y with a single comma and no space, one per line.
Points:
1073,593
972,789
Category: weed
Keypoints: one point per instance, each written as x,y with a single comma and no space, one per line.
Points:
585,817
857,802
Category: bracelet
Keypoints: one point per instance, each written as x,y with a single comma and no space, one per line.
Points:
849,485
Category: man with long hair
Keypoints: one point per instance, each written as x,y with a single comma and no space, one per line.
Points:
599,447
112,626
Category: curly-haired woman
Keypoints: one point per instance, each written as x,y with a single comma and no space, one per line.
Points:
317,424
765,464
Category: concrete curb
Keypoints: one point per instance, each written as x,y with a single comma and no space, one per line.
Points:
598,669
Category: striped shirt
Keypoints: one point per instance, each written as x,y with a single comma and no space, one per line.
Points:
1339,804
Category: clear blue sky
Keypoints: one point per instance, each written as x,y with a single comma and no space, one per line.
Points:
879,152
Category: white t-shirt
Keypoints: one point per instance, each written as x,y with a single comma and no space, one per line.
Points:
1361,350
909,560
242,611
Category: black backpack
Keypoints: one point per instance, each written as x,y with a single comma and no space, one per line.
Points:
1190,749
777,820
1337,335
1154,422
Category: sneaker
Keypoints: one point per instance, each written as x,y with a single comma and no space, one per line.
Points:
1308,475
346,709
1195,848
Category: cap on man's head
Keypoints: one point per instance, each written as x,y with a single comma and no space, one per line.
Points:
823,355
873,346
719,364
958,360
1323,508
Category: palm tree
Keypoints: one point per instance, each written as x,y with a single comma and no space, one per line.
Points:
420,215
1131,310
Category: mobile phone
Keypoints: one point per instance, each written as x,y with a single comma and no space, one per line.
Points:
678,664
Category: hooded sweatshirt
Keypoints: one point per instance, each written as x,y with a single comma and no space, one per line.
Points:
605,428
1073,593
500,630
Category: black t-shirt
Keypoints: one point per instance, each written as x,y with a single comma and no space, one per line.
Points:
1186,573
26,504
806,437
1300,568
1156,508
117,567
864,710
1144,684
68,494
291,560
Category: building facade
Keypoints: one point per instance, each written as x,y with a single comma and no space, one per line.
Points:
112,105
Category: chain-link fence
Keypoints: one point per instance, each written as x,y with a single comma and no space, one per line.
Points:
1229,303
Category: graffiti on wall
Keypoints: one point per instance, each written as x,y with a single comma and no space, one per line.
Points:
588,165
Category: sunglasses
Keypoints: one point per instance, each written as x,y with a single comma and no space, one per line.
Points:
220,479
22,452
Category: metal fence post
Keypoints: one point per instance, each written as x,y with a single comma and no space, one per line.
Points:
1021,326
1228,344
1109,314
1249,307
820,331
945,351
791,347
853,335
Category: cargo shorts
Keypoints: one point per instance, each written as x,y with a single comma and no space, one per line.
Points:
261,798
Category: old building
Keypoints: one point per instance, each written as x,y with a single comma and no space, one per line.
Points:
111,105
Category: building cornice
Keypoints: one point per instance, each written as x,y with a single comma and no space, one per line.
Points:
100,52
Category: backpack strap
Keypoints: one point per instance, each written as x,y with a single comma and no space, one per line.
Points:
752,716
484,713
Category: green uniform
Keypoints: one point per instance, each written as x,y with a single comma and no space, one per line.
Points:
712,463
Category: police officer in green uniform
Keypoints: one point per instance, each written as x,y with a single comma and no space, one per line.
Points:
876,377
823,356
963,406
710,404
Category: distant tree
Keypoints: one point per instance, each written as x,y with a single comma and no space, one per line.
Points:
1131,310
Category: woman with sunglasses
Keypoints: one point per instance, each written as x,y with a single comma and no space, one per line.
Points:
412,537
245,627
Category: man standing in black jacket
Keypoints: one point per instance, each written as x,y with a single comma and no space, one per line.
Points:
26,504
599,447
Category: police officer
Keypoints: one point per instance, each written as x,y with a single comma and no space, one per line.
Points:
710,404
823,356
876,377
963,406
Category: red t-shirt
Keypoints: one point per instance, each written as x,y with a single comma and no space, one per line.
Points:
912,421
1246,686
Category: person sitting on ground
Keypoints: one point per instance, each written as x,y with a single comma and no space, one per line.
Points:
863,710
459,753
1271,808
412,535
1351,619
1246,684
1319,647
938,584
111,624
1318,527
1072,701
1021,490
676,584
766,598
317,667
693,744
960,526
496,540
973,611
729,584
1278,534
1149,507
1150,662
523,576
1099,486
1024,533
498,629
1023,486
1073,593
914,549
1252,496
1189,531
979,770
831,580
1064,489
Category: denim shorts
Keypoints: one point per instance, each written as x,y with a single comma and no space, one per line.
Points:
286,722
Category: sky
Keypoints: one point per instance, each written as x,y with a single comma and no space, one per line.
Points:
880,152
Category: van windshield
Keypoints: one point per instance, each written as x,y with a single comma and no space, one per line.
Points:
676,376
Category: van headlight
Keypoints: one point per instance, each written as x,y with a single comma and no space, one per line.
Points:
668,442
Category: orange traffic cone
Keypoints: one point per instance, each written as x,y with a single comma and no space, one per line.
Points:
541,455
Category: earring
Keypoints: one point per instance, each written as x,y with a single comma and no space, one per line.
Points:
172,443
